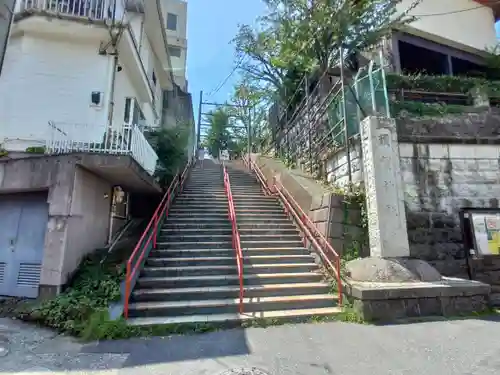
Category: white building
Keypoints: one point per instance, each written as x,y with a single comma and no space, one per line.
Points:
85,66
81,81
452,35
176,29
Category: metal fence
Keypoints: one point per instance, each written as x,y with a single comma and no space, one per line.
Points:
329,116
64,138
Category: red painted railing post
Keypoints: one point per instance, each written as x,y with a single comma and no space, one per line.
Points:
127,291
155,231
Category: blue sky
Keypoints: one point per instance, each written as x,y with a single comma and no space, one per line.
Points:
211,26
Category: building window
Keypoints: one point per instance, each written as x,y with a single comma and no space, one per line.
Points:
172,21
174,51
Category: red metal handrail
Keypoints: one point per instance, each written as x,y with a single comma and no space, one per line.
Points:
315,237
235,234
150,234
260,176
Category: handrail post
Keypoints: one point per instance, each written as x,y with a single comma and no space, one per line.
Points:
127,290
155,231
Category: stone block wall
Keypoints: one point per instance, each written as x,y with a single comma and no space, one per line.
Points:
341,223
447,163
337,167
439,180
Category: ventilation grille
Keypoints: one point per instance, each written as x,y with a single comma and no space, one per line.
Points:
3,268
29,274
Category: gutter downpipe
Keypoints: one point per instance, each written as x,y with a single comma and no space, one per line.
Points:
113,67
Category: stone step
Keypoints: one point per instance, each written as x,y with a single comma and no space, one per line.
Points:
245,237
230,305
257,225
227,229
223,292
200,216
207,244
178,210
208,231
195,225
272,216
216,220
222,280
234,318
272,244
226,260
183,210
203,204
232,269
203,252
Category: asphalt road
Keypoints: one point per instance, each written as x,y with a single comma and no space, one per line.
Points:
463,347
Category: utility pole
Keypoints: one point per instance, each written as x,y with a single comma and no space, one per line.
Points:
249,131
198,134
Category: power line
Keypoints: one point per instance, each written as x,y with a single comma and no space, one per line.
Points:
224,81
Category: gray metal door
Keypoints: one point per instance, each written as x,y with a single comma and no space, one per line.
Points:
23,222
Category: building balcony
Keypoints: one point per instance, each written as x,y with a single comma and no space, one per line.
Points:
64,138
91,10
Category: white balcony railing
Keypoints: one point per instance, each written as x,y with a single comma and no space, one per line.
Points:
65,138
89,9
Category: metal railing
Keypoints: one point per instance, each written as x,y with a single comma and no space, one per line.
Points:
65,138
148,240
235,235
331,259
328,116
88,9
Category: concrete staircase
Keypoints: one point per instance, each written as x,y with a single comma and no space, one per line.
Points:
192,276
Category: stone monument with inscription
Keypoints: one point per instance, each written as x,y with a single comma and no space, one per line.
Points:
390,284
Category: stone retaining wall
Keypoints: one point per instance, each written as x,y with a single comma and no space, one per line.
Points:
340,221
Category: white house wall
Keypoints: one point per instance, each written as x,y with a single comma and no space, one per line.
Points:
454,22
49,80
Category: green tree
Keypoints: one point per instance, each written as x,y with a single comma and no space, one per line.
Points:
298,37
219,134
250,108
171,146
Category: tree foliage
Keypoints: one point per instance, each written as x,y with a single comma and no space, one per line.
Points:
171,146
218,137
297,37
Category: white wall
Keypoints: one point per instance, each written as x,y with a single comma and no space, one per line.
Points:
52,80
180,9
177,38
458,22
49,80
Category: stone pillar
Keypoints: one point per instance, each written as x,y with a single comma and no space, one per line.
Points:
384,191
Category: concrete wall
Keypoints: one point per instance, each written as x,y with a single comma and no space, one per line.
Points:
78,210
455,22
89,218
